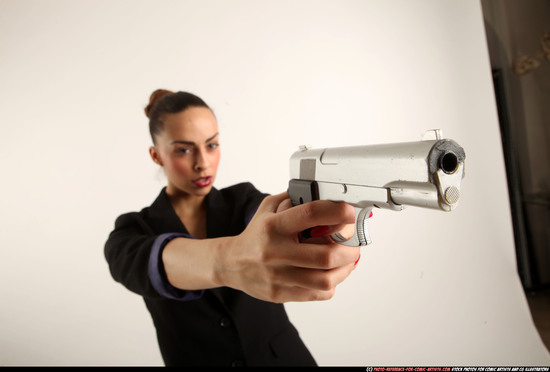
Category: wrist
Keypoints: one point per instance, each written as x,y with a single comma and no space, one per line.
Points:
223,259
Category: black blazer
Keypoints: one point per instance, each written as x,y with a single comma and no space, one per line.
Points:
224,327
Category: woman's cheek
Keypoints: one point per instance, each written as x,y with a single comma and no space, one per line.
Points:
216,161
183,168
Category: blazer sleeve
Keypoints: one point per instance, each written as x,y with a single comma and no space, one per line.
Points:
133,253
127,252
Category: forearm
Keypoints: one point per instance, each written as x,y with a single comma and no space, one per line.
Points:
193,264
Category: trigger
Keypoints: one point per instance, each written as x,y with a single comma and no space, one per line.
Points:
361,235
362,225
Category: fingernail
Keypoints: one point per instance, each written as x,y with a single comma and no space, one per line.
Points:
370,215
358,259
319,231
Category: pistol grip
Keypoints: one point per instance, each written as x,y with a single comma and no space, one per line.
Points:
361,235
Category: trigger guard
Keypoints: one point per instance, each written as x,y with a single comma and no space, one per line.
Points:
361,234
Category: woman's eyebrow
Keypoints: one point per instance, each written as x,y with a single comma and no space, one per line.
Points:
211,138
191,143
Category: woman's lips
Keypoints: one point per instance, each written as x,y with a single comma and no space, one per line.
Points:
203,181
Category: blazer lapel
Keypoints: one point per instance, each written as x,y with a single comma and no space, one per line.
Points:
218,214
163,217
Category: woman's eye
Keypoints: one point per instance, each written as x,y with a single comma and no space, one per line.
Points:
183,150
213,146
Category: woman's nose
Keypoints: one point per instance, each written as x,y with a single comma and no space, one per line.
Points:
201,161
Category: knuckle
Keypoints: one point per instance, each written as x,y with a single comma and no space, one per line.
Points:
276,294
325,283
266,257
321,295
269,226
330,294
311,295
314,296
346,212
307,210
327,259
269,277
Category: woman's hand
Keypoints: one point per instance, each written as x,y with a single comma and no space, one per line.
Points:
270,261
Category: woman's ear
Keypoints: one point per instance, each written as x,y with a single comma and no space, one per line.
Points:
155,155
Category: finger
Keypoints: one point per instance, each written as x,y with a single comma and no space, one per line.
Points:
320,234
285,204
282,294
271,203
314,255
315,213
323,280
346,231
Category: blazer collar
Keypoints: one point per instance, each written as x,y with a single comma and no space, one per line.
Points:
163,217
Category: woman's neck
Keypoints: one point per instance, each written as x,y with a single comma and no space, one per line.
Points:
191,209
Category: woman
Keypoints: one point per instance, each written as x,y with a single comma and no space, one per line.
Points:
214,266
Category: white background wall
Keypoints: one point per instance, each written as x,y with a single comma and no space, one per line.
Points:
433,288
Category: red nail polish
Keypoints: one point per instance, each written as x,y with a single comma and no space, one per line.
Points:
358,259
370,215
319,231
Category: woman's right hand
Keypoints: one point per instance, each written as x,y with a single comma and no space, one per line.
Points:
269,261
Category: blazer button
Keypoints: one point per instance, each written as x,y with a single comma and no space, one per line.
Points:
225,322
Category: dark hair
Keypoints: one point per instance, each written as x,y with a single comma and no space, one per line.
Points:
164,102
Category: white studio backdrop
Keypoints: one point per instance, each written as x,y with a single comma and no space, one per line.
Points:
434,288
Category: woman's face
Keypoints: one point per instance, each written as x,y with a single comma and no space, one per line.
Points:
188,149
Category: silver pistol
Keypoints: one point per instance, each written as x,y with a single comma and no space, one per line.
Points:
426,173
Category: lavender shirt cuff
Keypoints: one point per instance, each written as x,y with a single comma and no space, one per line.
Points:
157,276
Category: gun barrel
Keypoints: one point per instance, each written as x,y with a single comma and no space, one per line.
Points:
424,173
380,164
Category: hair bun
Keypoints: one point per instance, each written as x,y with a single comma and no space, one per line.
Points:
155,96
